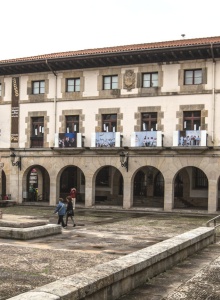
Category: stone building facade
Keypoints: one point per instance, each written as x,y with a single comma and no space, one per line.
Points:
132,126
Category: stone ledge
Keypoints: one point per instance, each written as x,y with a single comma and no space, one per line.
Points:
29,233
115,278
21,224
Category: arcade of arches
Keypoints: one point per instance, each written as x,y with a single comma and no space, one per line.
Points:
190,187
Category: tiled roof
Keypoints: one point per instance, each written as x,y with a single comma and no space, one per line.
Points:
118,49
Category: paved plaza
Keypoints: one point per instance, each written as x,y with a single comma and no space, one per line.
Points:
101,236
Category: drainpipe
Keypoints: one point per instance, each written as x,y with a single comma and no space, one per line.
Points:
55,98
213,94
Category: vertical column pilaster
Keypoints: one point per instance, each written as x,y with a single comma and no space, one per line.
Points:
212,196
168,195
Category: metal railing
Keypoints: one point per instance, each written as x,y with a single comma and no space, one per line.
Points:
215,225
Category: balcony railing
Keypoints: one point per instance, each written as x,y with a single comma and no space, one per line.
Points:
147,139
37,142
190,138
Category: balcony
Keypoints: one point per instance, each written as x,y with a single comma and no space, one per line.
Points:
190,138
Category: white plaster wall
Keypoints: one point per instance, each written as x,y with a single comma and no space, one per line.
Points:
170,78
209,84
8,88
217,81
59,77
52,85
5,126
128,107
90,83
217,121
23,88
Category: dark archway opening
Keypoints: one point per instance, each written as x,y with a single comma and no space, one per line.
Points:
109,187
191,189
38,185
148,188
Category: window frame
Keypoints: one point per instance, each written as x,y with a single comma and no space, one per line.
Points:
111,82
193,77
108,122
40,89
192,120
150,80
200,179
37,138
73,123
148,121
75,86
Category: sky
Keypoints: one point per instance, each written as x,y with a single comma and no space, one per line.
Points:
30,28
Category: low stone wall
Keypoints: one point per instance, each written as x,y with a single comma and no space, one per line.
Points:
110,280
29,233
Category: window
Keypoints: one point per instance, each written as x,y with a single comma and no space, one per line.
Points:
37,134
149,121
73,85
193,77
191,120
110,82
199,178
109,123
0,89
102,178
150,80
72,124
38,87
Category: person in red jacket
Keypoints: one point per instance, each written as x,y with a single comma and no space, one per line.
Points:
73,194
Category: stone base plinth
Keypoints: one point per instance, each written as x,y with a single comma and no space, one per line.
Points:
30,232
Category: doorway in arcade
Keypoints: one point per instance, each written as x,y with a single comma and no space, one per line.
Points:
38,185
72,176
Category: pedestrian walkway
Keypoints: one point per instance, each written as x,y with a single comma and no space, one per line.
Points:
197,277
100,236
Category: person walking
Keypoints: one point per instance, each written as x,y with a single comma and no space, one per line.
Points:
70,210
61,210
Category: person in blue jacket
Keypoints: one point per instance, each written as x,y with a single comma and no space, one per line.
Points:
61,210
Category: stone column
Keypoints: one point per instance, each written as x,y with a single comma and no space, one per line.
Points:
128,193
168,195
54,191
212,196
89,192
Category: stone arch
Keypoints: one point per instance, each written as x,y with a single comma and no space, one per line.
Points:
190,186
108,186
36,184
70,176
146,181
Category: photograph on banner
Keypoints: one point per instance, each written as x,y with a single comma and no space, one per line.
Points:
189,138
105,139
67,140
146,139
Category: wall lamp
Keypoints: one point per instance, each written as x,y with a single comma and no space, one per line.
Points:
15,163
124,159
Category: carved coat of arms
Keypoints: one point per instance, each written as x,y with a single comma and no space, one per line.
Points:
129,80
